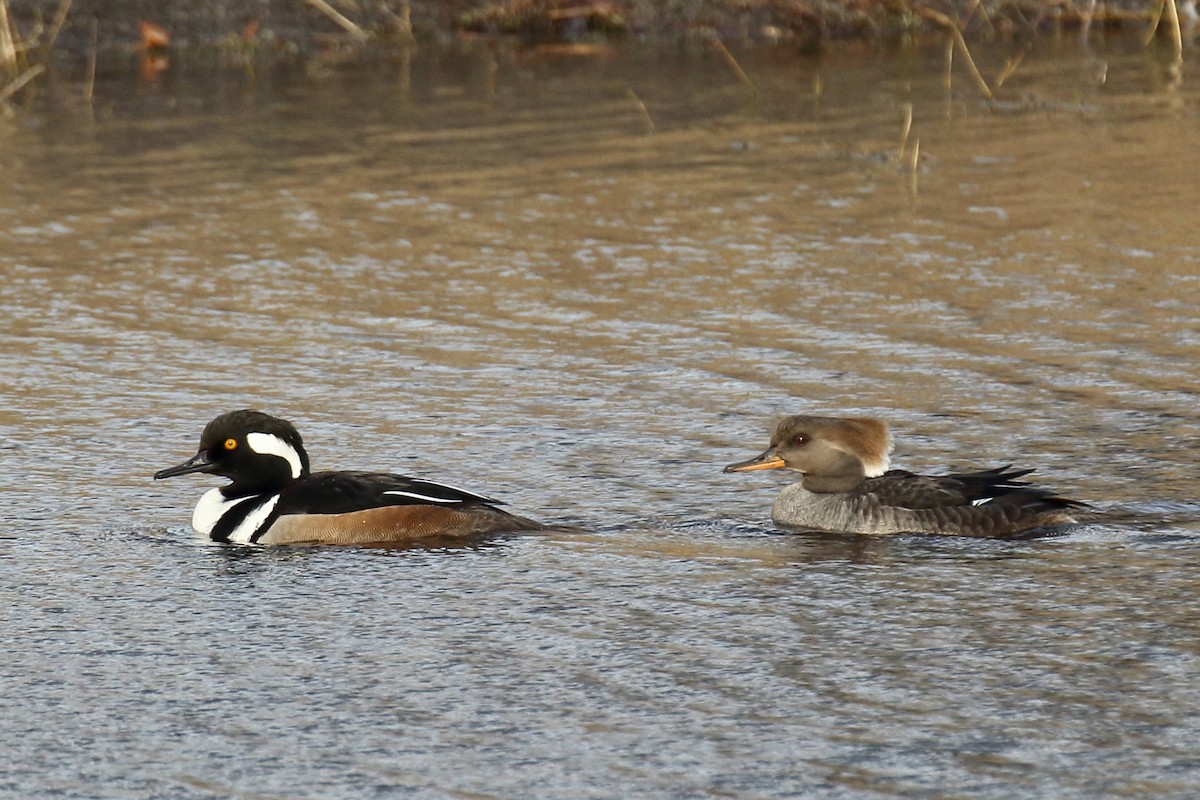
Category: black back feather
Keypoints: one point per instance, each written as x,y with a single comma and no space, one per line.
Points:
345,492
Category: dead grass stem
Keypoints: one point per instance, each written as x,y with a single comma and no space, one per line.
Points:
15,52
1176,31
60,16
913,162
89,87
637,101
16,83
959,43
1010,67
720,47
905,129
8,42
346,24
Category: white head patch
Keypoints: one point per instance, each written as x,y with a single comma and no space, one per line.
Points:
875,467
268,444
877,462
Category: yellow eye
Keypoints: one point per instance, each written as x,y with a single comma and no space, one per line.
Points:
231,444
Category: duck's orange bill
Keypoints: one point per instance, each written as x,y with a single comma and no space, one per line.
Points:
765,461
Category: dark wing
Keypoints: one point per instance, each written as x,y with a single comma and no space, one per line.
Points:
987,503
997,486
344,492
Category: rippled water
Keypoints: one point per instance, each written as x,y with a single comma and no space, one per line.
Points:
513,279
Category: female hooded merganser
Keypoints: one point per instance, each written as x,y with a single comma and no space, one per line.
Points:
273,498
847,487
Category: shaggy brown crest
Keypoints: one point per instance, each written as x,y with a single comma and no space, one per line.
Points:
864,438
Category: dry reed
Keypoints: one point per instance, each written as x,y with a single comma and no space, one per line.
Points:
959,43
905,129
908,164
913,162
1010,67
348,25
15,52
90,85
720,47
60,17
8,42
1176,31
16,83
641,107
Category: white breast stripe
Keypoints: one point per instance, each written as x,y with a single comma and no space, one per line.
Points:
250,525
416,496
981,500
212,506
268,444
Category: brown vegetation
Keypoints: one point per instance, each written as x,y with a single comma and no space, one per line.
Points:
799,19
22,58
290,26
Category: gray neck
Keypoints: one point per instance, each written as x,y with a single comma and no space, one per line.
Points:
830,484
841,473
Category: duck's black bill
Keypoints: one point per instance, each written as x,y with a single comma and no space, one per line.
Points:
197,463
767,460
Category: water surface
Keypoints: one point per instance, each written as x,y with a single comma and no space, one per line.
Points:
499,271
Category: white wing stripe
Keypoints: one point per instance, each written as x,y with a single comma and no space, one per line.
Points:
416,496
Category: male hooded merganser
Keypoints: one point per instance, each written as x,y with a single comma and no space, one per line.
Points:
273,498
847,486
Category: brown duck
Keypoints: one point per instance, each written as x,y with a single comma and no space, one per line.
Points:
846,486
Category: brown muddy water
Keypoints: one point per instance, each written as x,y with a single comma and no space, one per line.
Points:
498,271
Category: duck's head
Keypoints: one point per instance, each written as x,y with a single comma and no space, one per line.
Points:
256,451
833,453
